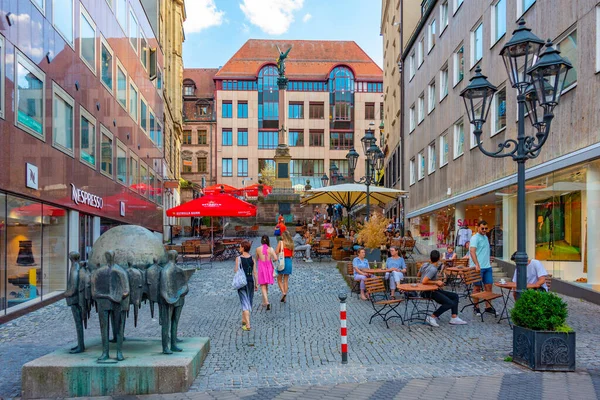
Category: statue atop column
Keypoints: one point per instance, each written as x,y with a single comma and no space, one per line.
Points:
282,80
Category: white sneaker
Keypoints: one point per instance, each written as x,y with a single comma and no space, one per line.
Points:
304,259
457,321
309,260
431,321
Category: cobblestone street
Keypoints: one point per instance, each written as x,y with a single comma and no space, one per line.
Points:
294,349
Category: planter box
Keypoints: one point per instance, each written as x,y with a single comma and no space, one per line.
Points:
544,350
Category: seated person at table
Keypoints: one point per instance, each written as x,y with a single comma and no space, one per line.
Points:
396,263
359,263
536,274
446,300
450,254
300,244
468,253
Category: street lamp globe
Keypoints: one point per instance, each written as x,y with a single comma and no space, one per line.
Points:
368,139
379,160
352,158
478,99
519,54
333,169
531,108
372,154
548,76
324,180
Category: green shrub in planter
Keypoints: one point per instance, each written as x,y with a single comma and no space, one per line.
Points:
539,311
541,339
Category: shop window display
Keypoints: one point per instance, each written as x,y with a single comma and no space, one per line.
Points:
558,228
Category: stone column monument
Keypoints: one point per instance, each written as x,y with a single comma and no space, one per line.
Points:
282,153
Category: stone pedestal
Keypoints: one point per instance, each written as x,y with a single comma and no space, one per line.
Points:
145,370
282,167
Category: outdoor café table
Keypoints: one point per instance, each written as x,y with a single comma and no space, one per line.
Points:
378,271
417,316
506,289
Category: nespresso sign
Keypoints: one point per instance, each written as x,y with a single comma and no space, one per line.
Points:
82,197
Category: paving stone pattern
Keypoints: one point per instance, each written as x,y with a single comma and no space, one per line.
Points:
293,351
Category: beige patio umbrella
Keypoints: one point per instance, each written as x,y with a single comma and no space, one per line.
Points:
351,194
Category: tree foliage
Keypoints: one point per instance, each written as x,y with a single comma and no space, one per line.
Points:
268,175
372,234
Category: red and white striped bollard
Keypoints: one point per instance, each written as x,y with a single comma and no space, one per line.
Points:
344,329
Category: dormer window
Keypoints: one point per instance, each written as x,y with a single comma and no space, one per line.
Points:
188,90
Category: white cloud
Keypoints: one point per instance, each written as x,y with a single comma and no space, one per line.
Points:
272,16
245,28
306,17
201,14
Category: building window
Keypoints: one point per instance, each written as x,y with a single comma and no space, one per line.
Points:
202,165
431,33
443,16
316,110
459,139
412,171
106,65
307,167
187,137
524,5
143,50
121,163
369,111
457,4
122,13
227,167
188,90
133,31
421,107
143,187
143,115
268,98
296,138
202,136
227,137
444,149
202,110
87,46
242,109
421,165
411,66
499,111
152,124
62,18
242,137
186,163
242,167
431,97
444,82
121,85
476,44
268,139
226,109
341,98
459,64
133,172
40,4
568,50
106,153
133,101
265,163
341,141
420,52
159,136
296,110
343,167
87,138
316,138
30,97
2,76
412,118
498,20
432,156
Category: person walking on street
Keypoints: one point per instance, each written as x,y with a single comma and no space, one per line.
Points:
246,294
265,256
300,244
480,259
287,246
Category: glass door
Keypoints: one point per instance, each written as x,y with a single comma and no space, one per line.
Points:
86,235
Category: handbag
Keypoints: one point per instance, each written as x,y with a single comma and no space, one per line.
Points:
281,265
277,232
239,279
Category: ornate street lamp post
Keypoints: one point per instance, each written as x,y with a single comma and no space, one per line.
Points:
539,78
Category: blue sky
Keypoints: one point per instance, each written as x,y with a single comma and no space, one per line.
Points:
216,29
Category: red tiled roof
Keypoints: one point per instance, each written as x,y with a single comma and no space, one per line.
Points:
308,60
203,78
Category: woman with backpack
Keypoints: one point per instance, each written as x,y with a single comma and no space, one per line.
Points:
287,247
246,293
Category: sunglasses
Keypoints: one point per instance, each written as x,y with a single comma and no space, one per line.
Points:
484,229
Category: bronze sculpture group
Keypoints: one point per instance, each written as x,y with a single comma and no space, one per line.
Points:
113,289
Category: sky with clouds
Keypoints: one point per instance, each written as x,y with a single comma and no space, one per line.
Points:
216,29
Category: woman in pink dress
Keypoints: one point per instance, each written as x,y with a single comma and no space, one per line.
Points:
264,255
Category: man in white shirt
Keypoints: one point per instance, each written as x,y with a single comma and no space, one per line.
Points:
536,273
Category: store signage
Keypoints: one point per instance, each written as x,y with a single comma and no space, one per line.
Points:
82,197
31,178
467,222
122,207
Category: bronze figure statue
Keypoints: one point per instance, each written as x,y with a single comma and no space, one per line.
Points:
173,288
110,291
78,297
281,61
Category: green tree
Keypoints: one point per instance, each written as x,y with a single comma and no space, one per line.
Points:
268,175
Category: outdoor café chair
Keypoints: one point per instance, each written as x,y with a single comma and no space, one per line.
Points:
382,305
471,279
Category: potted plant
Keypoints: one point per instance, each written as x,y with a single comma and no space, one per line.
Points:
372,236
541,339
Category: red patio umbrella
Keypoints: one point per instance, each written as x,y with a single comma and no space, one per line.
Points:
252,190
216,189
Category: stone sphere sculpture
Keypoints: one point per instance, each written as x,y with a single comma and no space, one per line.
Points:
132,244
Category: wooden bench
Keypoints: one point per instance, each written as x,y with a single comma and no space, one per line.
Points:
472,278
355,284
382,305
